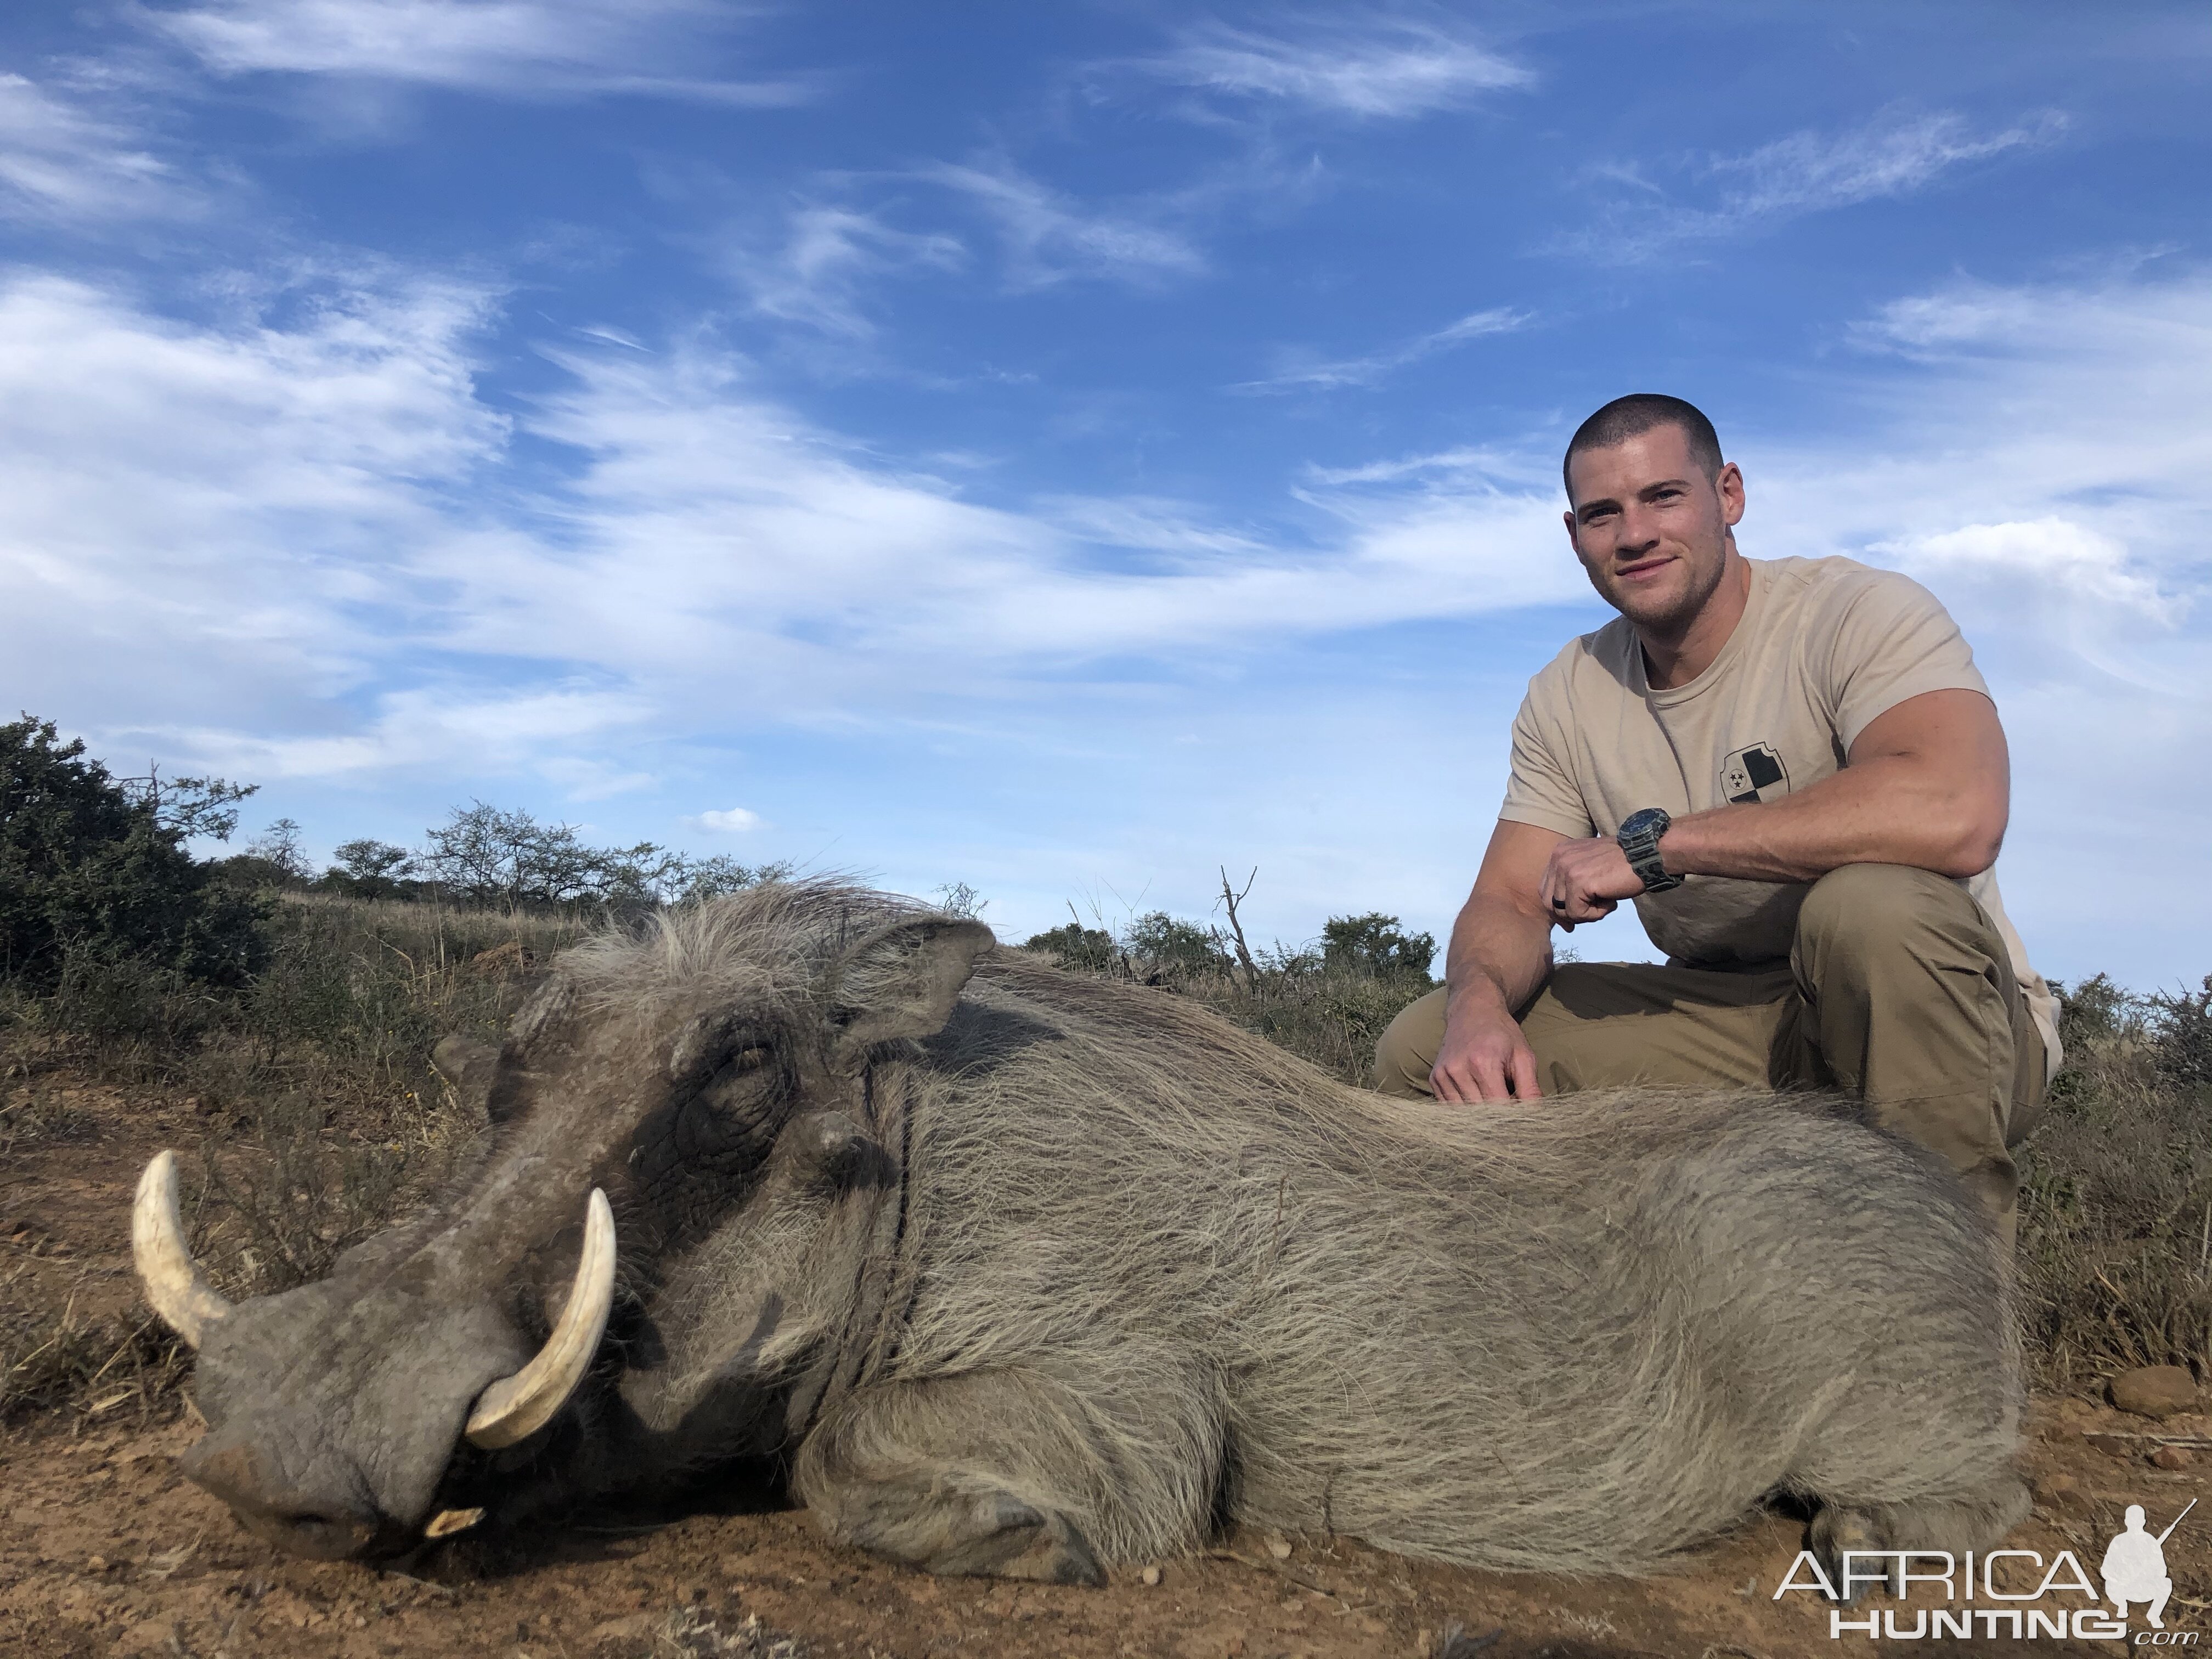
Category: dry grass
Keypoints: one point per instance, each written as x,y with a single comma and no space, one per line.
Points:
2116,1213
323,1119
56,1356
1326,1015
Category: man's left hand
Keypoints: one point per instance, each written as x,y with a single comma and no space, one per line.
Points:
1587,879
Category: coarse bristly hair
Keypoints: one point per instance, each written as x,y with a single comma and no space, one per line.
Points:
769,945
1153,1273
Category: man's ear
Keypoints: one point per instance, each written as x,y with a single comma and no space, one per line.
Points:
902,982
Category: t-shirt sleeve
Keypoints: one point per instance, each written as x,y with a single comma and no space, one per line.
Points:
1542,791
1893,640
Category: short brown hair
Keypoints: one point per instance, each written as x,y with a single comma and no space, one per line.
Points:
1633,416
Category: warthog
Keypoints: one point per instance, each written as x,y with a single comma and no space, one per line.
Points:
1015,1271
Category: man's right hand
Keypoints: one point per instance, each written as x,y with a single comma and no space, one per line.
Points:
1484,1057
1500,952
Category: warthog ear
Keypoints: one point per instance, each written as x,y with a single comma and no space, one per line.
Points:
468,1068
902,982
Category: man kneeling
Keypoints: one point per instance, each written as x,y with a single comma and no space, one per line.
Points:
1795,770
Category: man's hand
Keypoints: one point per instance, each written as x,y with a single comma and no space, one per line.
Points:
1586,879
1484,1057
1500,952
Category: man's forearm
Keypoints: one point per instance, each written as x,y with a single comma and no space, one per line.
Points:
1882,811
1498,956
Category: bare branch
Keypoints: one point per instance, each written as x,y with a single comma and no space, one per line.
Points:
1231,899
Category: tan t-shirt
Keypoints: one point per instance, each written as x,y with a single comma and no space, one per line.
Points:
1824,647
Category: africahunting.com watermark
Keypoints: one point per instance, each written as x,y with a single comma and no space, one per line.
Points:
2068,1605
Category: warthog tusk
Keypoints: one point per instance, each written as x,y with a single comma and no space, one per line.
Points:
517,1406
445,1522
175,1286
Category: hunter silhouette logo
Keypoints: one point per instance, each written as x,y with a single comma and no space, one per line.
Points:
2134,1568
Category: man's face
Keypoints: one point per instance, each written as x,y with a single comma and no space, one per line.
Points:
1651,528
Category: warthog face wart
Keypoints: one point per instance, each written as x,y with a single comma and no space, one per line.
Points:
342,1413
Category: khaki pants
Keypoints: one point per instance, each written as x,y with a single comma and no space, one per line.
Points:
1897,989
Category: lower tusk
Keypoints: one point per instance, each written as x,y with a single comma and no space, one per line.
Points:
515,1407
175,1287
445,1522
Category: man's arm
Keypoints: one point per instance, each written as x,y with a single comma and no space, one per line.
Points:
1501,950
1928,784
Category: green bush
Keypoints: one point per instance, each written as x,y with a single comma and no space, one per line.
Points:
93,871
1090,949
1376,946
2181,1029
1175,950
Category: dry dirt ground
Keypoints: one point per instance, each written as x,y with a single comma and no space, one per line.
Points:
105,1549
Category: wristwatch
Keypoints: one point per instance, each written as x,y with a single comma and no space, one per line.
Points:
1639,841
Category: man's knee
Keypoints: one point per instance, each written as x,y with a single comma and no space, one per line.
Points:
1870,905
1408,1047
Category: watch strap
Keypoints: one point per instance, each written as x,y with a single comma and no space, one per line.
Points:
1640,843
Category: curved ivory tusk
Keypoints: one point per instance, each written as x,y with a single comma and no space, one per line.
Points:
517,1406
175,1286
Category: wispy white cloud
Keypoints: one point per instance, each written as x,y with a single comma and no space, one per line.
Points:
2045,460
1719,196
218,505
1806,171
313,543
538,48
2044,558
1516,466
61,159
1049,238
817,270
1328,376
1394,70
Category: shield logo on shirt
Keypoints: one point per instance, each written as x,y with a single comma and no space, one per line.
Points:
1754,773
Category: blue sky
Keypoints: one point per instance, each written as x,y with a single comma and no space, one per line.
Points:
1069,449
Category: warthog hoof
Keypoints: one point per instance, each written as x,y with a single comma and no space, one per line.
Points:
960,1530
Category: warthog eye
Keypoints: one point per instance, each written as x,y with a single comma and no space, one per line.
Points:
750,1058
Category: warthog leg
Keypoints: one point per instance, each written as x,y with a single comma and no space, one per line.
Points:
1001,1472
1955,1524
952,1521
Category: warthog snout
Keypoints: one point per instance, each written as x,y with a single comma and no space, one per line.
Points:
325,1511
286,1448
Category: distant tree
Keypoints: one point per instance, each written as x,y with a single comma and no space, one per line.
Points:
1376,946
957,898
1077,946
691,880
93,868
483,854
369,869
279,845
